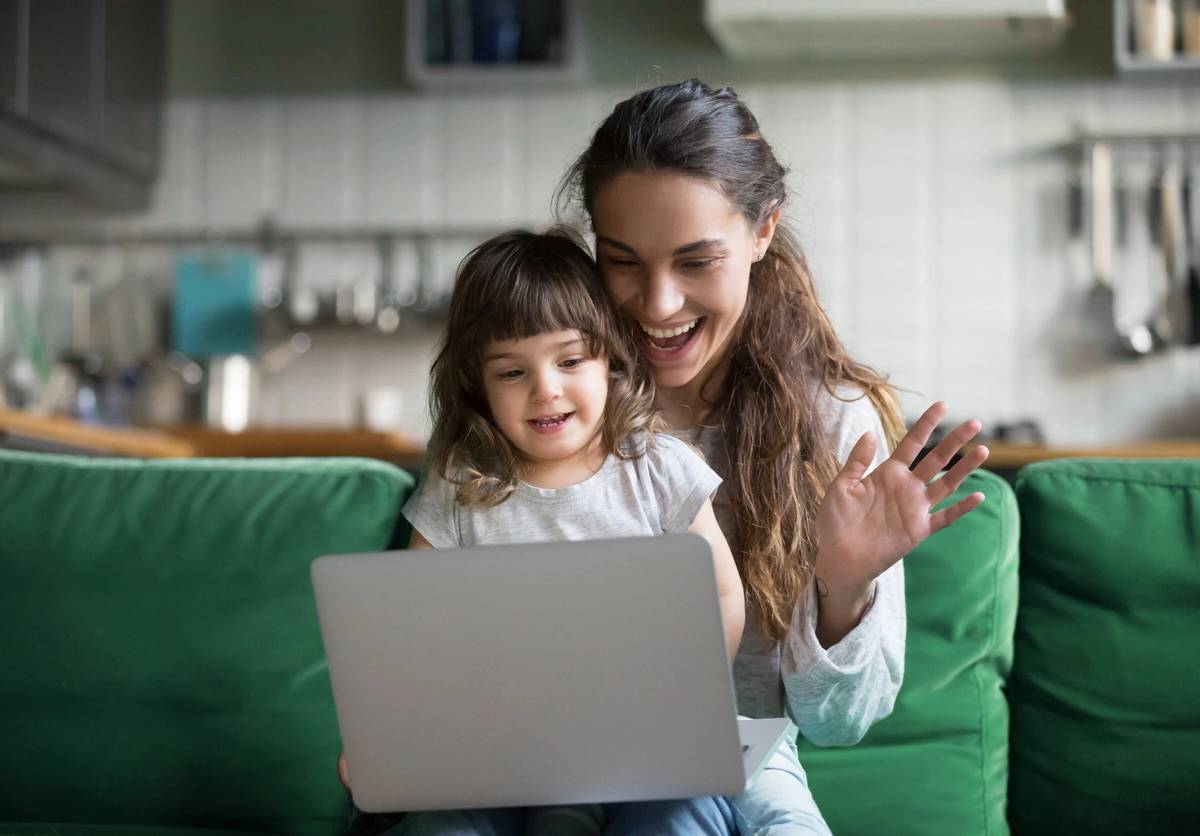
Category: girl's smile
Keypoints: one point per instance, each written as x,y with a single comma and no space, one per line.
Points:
550,424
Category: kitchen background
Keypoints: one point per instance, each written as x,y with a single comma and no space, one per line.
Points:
941,198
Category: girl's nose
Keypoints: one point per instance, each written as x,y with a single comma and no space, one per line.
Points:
661,297
547,388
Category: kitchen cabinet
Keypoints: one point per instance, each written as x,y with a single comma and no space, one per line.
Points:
10,56
81,86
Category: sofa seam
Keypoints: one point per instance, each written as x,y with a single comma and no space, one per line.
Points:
1092,477
1003,547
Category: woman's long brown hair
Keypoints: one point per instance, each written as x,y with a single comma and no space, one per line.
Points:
784,350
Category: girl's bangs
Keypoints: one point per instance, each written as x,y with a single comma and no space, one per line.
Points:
544,305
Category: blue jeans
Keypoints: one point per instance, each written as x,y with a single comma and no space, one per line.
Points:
686,817
778,802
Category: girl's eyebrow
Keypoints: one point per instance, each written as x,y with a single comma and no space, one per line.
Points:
686,248
501,355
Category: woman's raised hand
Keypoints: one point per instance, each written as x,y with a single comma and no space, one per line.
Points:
868,522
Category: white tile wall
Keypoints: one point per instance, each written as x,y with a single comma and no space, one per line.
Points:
933,214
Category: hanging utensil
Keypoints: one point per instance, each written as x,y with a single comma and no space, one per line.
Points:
1173,311
1140,265
1100,305
1190,194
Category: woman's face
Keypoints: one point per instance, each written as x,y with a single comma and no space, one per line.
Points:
675,255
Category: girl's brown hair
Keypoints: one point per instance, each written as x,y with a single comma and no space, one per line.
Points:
784,350
516,285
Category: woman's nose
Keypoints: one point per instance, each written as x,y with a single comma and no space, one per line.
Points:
661,297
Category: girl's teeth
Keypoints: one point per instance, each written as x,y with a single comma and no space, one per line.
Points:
664,333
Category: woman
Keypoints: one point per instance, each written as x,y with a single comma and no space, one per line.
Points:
685,196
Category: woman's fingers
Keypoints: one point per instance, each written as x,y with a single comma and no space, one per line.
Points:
939,489
936,458
860,458
946,516
914,440
343,770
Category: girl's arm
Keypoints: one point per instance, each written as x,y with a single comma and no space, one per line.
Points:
416,541
729,582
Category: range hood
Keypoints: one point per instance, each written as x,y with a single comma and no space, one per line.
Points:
883,29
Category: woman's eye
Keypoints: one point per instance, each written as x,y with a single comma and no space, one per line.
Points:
621,262
700,264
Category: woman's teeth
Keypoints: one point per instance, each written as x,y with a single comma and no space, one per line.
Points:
664,333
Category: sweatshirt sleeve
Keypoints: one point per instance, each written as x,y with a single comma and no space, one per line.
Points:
835,694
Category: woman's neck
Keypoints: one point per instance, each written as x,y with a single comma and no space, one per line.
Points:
694,403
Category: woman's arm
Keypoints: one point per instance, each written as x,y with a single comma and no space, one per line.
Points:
834,694
843,659
729,582
842,668
416,541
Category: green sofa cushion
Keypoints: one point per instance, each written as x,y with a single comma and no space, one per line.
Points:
938,764
162,662
1106,682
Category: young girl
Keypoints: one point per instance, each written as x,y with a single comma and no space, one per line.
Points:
544,429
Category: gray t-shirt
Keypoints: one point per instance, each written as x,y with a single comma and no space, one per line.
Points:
659,492
833,694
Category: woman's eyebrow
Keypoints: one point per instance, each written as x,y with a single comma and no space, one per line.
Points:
686,248
699,245
613,242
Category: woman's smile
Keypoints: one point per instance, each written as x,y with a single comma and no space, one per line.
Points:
670,344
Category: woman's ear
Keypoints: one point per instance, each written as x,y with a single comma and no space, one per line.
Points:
764,232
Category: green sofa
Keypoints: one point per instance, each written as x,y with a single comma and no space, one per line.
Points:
163,670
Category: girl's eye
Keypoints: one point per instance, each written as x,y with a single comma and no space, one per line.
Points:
571,362
511,374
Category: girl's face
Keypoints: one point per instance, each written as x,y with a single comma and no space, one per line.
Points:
675,255
547,395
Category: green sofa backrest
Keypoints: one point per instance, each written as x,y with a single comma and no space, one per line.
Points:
939,763
1106,679
162,662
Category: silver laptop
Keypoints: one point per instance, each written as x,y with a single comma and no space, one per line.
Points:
536,674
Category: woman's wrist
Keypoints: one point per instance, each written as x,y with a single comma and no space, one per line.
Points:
841,605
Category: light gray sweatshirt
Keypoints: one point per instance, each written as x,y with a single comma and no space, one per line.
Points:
833,695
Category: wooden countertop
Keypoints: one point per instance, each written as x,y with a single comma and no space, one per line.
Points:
189,442
274,442
398,448
149,444
1012,456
